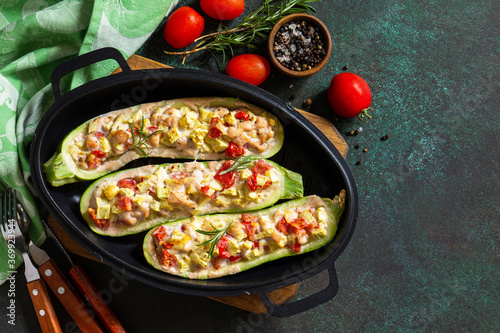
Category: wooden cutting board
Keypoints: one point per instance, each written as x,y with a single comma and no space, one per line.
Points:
250,303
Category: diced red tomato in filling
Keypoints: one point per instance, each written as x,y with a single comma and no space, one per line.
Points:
253,183
160,233
128,183
124,203
249,222
235,258
295,247
213,131
313,225
234,151
221,246
255,244
206,191
95,158
227,179
283,226
100,223
299,232
261,167
241,115
298,223
168,259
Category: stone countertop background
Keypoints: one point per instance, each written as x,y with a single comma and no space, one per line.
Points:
425,254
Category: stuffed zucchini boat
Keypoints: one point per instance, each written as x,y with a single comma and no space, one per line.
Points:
208,128
138,199
211,246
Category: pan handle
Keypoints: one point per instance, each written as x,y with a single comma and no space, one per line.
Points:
290,309
92,57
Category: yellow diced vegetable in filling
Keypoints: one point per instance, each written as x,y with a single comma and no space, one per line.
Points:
184,264
205,115
217,144
172,135
162,192
201,259
155,205
115,210
93,126
245,174
105,144
322,216
198,136
138,200
230,191
135,116
179,239
307,216
127,192
144,186
111,191
232,246
230,119
103,212
271,175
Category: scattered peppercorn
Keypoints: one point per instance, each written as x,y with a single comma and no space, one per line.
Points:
356,132
299,45
359,163
345,68
365,150
308,102
356,146
385,137
351,132
292,97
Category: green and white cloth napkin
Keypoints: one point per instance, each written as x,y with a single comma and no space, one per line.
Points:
36,36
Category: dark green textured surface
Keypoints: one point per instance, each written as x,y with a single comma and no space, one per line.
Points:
425,254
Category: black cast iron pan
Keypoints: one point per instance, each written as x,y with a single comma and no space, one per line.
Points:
306,150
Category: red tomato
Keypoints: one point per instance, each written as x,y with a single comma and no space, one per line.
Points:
168,259
183,27
251,68
124,203
223,9
253,183
349,95
241,115
227,179
128,183
213,131
234,151
221,246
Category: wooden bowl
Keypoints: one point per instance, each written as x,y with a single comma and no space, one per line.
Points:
327,40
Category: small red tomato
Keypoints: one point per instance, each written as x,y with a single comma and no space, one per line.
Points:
349,95
251,68
183,27
223,9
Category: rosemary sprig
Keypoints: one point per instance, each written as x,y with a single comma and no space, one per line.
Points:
217,233
250,31
241,162
142,138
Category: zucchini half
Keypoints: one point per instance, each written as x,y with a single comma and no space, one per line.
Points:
245,240
205,128
134,200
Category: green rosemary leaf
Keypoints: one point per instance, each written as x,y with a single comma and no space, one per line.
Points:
217,233
251,30
142,138
239,164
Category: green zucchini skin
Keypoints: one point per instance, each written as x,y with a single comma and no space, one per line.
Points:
61,169
333,207
288,185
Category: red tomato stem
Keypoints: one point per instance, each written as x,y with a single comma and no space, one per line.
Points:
364,113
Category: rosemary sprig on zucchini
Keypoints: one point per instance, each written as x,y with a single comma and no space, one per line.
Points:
217,233
142,138
241,162
254,28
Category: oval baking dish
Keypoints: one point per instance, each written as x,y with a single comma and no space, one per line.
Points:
306,150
